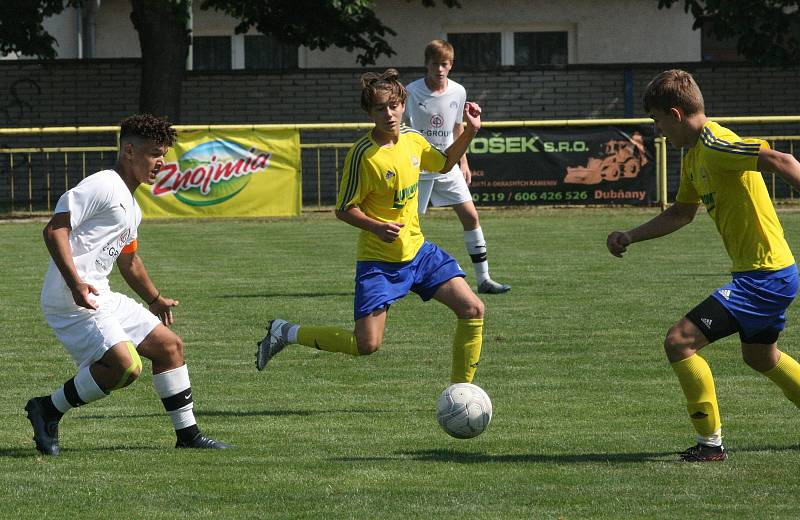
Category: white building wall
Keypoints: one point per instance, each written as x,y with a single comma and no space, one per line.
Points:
65,32
611,31
116,37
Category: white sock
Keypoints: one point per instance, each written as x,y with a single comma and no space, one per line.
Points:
78,391
715,439
476,247
175,391
291,334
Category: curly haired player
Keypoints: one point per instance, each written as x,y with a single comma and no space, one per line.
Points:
378,195
95,225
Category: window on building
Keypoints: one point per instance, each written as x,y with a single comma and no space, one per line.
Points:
267,52
522,48
540,48
211,53
477,50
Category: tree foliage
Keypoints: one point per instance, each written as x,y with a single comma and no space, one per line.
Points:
164,39
317,25
21,26
767,32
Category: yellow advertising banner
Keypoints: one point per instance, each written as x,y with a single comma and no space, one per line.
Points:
228,173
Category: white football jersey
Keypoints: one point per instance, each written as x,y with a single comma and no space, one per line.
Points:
435,115
104,218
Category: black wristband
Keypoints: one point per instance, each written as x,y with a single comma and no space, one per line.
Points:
154,299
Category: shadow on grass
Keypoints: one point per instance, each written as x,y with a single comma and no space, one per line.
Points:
461,457
26,453
288,295
473,458
210,413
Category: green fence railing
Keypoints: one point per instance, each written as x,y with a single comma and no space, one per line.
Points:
40,164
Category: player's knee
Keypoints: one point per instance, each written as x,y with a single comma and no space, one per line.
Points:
472,310
762,359
367,346
677,344
470,221
128,376
171,351
129,370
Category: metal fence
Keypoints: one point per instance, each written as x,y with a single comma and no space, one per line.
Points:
37,165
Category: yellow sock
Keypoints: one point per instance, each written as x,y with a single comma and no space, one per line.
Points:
331,339
786,374
466,350
697,383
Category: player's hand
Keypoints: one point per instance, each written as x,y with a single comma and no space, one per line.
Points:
81,292
467,174
618,242
388,231
162,308
472,115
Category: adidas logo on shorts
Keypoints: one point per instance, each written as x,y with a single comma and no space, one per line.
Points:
706,322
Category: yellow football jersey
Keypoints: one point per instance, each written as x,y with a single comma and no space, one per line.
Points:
383,183
720,171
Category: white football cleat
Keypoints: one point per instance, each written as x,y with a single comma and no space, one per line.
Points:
272,343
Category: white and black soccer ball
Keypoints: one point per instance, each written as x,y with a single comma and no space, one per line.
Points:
463,410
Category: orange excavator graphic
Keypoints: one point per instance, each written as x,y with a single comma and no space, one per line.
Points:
622,159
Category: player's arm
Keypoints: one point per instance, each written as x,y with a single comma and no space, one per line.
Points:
669,221
784,164
132,270
463,164
386,231
454,152
56,238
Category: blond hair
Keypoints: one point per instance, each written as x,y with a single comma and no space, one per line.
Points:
439,50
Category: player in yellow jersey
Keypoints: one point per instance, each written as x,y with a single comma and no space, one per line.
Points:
722,172
378,194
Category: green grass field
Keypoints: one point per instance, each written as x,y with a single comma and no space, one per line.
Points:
588,415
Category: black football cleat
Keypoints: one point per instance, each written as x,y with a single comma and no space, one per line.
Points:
202,442
45,428
704,453
492,287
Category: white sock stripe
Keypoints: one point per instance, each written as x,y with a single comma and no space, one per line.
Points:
87,387
171,382
474,241
60,400
182,418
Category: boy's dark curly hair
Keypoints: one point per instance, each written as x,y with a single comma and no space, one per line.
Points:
146,126
388,81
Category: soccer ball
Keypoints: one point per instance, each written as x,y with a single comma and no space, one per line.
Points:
463,410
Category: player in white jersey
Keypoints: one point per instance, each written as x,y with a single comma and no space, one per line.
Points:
435,107
95,225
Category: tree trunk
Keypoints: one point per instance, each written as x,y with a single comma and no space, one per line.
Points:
164,41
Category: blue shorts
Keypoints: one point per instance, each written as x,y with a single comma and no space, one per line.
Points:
758,299
379,284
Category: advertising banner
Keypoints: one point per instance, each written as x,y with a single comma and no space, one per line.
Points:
589,165
230,173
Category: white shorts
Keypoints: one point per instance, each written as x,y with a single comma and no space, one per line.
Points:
445,190
88,334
